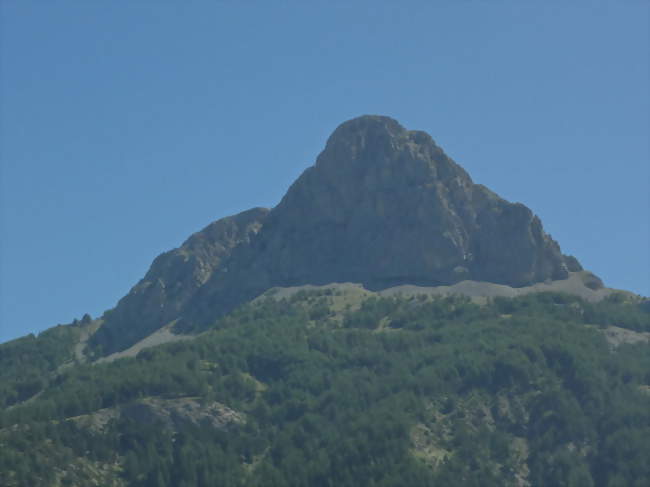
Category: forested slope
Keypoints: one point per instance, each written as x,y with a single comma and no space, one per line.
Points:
321,389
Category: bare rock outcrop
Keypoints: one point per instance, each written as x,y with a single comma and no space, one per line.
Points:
173,413
173,279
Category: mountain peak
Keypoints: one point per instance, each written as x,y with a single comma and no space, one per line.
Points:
367,125
382,206
378,147
361,140
390,207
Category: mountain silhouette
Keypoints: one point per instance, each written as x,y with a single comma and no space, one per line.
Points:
382,206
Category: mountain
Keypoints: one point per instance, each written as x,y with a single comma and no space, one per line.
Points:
383,206
388,323
174,278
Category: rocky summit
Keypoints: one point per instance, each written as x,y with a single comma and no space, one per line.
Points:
382,206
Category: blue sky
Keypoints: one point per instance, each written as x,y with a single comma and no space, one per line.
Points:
126,126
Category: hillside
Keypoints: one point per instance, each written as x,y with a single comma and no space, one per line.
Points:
388,323
344,387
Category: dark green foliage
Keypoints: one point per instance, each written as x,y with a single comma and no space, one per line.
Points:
615,311
336,403
26,364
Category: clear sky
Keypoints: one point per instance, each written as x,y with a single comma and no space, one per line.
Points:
126,126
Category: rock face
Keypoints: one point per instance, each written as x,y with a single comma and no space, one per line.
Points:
382,206
174,278
385,206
